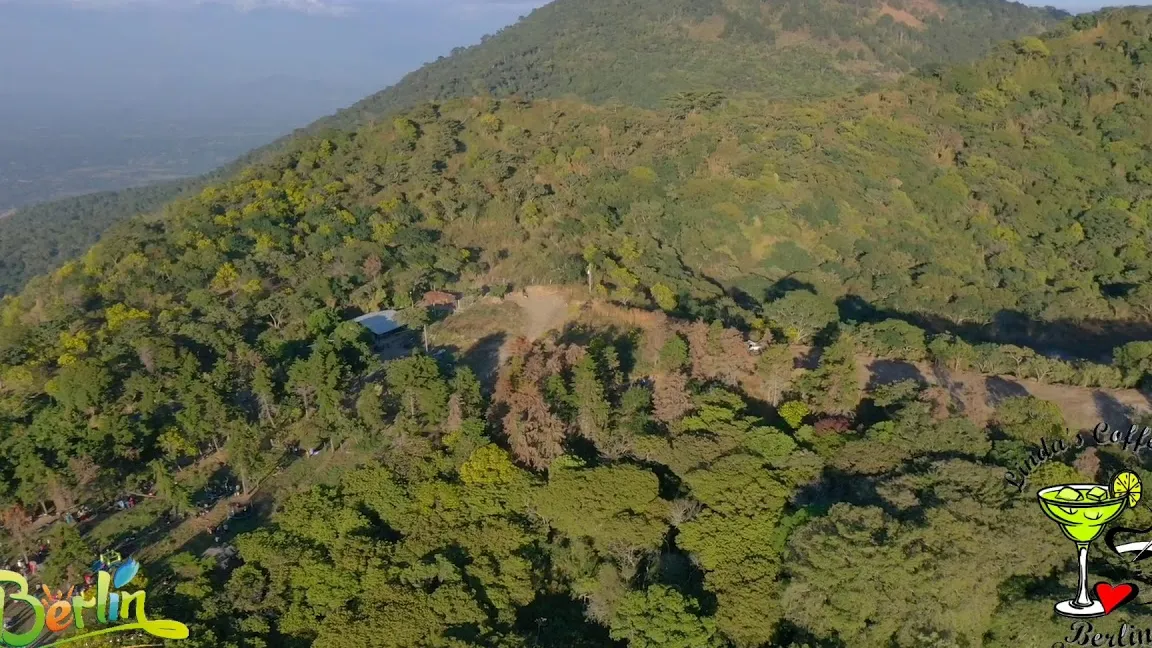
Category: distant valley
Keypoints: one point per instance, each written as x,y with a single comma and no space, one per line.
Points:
95,100
77,148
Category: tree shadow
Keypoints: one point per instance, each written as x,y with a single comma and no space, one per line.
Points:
786,285
883,372
676,569
1112,411
399,344
220,485
790,634
838,486
854,308
558,621
461,558
1088,339
1001,389
953,387
483,358
809,359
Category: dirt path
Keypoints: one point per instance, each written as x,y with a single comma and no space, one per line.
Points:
289,476
183,533
544,309
539,309
978,394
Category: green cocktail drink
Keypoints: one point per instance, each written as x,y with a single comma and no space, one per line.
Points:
1082,511
1082,519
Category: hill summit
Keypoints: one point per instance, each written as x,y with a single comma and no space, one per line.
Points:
642,52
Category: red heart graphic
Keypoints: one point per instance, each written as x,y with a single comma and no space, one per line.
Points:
1113,597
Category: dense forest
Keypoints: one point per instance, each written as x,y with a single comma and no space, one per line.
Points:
619,492
647,482
655,51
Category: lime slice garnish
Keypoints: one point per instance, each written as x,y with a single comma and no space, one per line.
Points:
1127,484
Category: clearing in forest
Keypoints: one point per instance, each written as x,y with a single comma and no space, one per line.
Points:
481,333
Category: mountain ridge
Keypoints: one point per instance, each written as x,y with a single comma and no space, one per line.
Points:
740,56
546,35
952,195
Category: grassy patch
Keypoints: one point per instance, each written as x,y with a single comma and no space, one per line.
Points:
463,328
123,523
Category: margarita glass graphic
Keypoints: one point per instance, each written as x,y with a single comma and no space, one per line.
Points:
1082,511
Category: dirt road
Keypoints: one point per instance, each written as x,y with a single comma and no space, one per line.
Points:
978,394
539,309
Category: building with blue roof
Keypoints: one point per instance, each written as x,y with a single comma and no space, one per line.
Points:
381,323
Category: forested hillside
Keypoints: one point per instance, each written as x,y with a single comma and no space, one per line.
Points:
1016,187
39,239
638,52
619,485
644,53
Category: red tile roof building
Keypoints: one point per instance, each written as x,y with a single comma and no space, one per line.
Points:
438,298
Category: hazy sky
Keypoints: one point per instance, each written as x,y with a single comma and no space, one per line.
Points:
82,60
101,94
85,65
110,47
44,41
1079,6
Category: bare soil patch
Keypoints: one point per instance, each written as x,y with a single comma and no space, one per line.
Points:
708,29
925,6
902,16
978,394
792,38
482,332
545,308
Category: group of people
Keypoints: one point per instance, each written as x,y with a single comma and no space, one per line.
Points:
126,503
31,563
310,452
29,567
216,532
79,515
235,510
